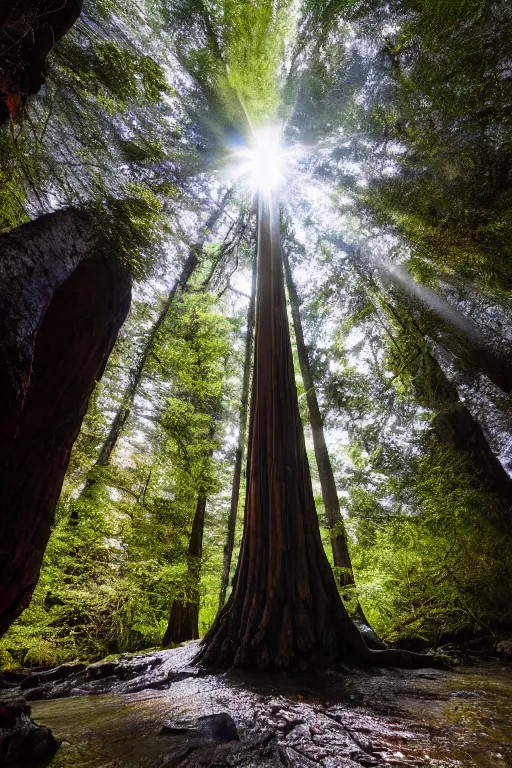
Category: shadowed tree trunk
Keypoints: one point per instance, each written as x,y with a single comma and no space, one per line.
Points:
183,620
137,374
453,424
63,297
237,473
475,356
284,611
433,316
450,328
340,553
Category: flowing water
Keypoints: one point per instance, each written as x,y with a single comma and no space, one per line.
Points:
391,717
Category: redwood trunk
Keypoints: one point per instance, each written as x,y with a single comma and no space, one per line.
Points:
341,556
183,621
284,611
63,298
237,473
460,336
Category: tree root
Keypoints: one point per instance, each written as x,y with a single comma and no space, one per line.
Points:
407,659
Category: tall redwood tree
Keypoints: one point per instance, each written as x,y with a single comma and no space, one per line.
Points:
284,611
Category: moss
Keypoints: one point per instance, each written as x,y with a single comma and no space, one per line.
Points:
7,662
43,653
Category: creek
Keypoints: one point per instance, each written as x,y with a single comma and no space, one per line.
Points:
335,720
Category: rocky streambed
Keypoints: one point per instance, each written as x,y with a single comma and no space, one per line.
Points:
154,710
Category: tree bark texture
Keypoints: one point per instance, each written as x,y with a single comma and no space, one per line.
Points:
183,620
478,358
341,556
453,330
63,298
237,473
284,612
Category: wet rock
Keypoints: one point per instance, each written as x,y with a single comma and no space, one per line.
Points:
62,672
40,692
10,679
137,667
159,670
218,727
177,756
207,732
22,742
175,729
11,710
51,675
503,649
30,681
100,670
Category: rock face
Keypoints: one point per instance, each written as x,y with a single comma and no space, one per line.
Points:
149,671
503,649
63,298
28,31
22,742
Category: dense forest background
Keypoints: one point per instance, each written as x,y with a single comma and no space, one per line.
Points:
397,231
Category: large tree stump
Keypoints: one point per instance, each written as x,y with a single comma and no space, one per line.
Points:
63,298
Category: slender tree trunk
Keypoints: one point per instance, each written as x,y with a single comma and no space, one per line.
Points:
284,611
237,473
137,374
341,556
454,331
183,620
63,297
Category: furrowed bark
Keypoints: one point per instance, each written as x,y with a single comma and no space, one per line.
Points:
63,298
479,358
455,332
341,556
284,611
237,473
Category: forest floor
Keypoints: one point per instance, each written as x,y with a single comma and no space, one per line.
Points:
145,712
